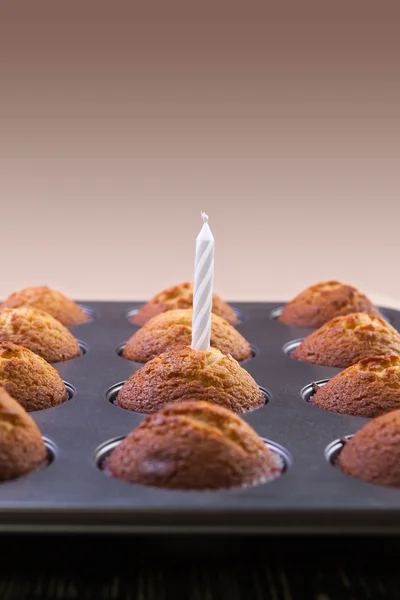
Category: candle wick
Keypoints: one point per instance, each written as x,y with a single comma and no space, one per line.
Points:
204,216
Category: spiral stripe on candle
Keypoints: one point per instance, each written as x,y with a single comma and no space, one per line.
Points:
207,306
202,297
202,331
200,264
199,342
205,286
205,282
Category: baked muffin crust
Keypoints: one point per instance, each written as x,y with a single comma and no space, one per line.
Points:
193,445
51,301
367,389
29,379
180,296
182,373
22,448
373,454
38,331
345,340
324,301
173,328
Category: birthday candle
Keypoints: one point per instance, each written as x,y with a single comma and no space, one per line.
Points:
203,287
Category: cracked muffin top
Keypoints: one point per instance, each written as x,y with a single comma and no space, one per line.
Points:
29,379
322,302
180,296
367,389
51,301
174,328
193,445
38,331
182,373
345,340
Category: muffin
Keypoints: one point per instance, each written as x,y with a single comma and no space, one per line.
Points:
368,389
22,449
185,374
373,454
38,331
180,296
345,340
322,302
51,301
193,445
174,328
29,378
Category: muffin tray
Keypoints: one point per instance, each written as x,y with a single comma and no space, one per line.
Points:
73,494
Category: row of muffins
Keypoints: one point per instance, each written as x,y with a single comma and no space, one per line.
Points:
182,366
186,445
191,440
33,334
352,334
361,341
234,454
29,337
36,318
28,334
197,445
352,331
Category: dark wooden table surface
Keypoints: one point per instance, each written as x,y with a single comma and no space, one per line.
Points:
131,569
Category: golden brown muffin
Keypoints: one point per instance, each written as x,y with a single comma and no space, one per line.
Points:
180,296
322,302
51,301
193,445
373,454
29,378
182,374
174,328
38,331
22,448
343,341
368,389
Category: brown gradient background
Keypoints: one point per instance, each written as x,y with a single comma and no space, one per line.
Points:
120,122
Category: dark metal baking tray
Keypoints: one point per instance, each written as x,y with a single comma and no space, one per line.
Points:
73,495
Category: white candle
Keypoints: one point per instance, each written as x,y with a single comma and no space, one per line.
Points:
203,287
